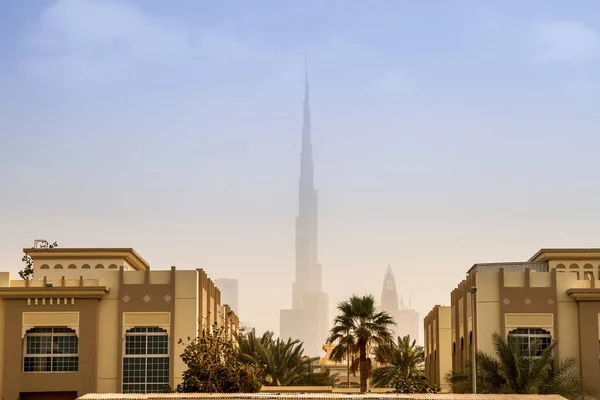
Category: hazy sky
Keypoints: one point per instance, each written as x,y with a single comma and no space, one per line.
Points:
445,133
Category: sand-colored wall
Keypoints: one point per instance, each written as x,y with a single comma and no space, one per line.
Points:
488,309
444,348
5,278
83,381
186,317
89,268
109,341
438,351
567,320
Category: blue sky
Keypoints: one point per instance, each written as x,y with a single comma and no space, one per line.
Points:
446,133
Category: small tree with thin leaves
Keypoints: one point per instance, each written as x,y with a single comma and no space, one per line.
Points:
27,271
213,366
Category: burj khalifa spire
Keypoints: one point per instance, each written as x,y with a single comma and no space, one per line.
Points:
308,320
308,270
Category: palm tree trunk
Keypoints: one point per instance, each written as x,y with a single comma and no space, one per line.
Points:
348,361
363,368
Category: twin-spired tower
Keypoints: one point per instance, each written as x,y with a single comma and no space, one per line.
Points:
308,319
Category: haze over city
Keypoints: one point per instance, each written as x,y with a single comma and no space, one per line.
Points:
443,133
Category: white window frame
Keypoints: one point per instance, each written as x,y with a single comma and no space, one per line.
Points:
50,355
531,338
163,332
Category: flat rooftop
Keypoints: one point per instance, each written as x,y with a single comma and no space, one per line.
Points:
130,255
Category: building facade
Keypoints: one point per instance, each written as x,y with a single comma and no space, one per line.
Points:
554,296
308,319
230,292
438,356
407,319
98,320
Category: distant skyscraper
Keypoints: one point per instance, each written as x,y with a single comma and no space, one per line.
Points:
308,320
229,292
406,318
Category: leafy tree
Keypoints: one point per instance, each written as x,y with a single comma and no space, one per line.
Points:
280,362
27,271
213,366
358,317
402,367
512,372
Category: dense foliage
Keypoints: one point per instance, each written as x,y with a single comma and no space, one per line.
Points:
511,371
213,366
359,325
402,367
279,362
27,271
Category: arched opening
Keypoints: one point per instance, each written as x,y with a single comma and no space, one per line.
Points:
86,266
72,266
51,349
58,266
45,266
99,266
533,341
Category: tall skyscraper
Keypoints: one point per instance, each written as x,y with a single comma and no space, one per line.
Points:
229,289
406,318
308,320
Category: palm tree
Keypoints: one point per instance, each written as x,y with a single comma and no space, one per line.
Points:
346,348
401,360
280,362
359,318
512,371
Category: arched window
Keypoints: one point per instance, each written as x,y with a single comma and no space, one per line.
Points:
113,266
85,266
45,266
560,266
51,350
99,266
533,341
574,266
588,266
72,266
58,266
146,360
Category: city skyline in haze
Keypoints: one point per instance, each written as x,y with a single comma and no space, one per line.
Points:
444,136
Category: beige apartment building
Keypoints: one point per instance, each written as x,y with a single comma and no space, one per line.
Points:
99,320
438,358
554,296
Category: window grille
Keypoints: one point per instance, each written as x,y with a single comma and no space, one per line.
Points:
146,361
51,350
